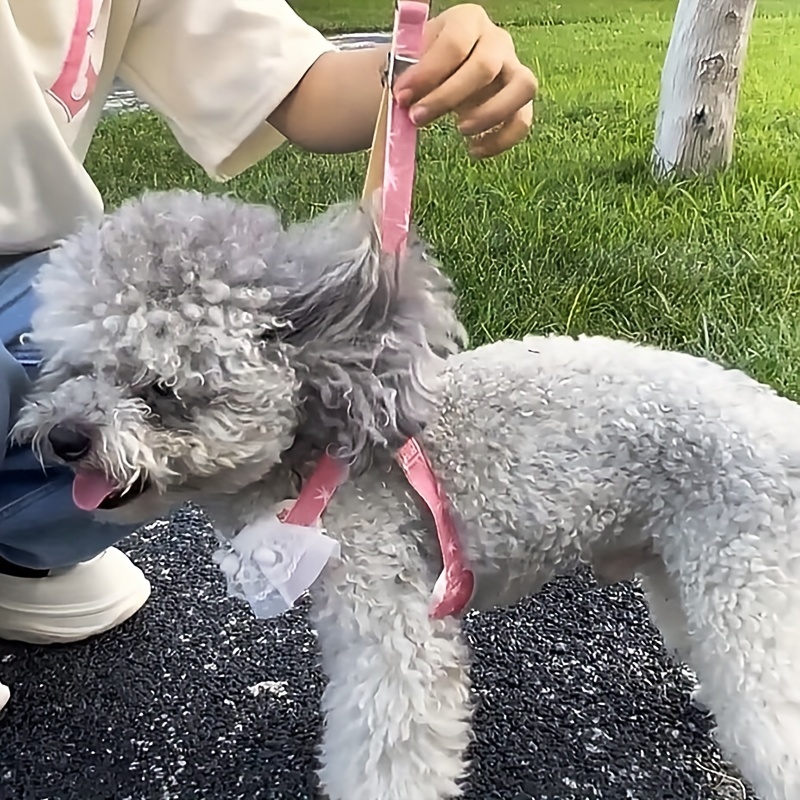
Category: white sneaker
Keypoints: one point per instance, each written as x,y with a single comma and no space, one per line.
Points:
5,693
73,604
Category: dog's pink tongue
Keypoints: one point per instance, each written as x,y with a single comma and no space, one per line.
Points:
89,489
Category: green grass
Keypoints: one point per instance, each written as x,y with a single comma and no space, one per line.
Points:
569,233
377,14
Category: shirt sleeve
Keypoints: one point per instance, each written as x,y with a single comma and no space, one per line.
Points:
216,69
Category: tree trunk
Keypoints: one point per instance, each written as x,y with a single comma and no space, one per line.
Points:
700,86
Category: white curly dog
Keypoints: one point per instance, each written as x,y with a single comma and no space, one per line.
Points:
195,348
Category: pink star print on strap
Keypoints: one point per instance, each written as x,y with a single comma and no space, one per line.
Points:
316,493
455,585
399,156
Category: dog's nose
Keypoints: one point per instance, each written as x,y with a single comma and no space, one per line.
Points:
68,443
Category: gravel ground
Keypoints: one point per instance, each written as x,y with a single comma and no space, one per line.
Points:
193,698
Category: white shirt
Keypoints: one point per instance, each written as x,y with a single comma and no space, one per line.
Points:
215,69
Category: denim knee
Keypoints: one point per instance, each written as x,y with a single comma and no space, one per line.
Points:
40,526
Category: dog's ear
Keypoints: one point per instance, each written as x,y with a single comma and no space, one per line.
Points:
320,310
364,333
327,272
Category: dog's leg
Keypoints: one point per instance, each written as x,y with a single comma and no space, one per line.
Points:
397,707
667,614
742,614
664,603
660,589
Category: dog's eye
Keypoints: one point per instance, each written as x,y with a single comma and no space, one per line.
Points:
165,406
162,390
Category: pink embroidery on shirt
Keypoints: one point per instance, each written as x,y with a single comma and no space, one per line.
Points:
73,87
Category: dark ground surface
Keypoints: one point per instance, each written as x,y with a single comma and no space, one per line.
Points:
193,698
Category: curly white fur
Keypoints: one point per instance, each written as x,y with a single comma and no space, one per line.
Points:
199,343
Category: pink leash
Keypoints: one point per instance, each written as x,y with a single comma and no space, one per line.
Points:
400,153
455,585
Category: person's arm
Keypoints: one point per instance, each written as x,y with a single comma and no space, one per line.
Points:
334,108
469,67
216,71
235,78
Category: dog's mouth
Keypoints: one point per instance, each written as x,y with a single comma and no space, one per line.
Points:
92,490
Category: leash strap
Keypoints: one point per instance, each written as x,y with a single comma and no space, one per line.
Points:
317,491
400,153
392,161
391,167
456,583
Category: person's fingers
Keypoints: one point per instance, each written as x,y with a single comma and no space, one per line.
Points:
476,74
503,138
518,90
444,51
470,67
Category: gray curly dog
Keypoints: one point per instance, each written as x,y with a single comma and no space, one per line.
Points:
207,352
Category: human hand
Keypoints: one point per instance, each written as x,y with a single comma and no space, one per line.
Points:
469,67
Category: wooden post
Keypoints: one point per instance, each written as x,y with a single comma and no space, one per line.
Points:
700,86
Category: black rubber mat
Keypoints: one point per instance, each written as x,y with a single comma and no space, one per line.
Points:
193,698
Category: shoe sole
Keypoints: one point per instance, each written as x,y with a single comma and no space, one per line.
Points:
96,622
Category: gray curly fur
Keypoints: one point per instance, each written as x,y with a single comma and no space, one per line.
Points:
363,339
365,336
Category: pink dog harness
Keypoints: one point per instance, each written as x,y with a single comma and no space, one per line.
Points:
455,585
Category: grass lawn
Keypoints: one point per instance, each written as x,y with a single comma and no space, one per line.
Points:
372,14
568,233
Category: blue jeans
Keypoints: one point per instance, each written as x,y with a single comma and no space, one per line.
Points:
40,527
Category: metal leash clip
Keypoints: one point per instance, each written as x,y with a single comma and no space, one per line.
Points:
397,65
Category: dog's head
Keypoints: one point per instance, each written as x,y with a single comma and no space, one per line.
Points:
190,342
